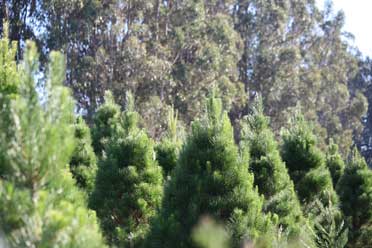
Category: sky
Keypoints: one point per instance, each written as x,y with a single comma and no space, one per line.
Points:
358,21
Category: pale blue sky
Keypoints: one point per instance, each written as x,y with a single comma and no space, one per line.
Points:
358,20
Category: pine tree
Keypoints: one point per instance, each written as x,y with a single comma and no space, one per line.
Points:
9,85
106,121
355,191
39,203
334,162
306,163
211,178
9,75
129,183
328,227
312,180
270,174
83,163
168,149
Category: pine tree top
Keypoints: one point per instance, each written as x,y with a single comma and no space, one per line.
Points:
9,74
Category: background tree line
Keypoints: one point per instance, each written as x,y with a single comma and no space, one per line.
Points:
170,53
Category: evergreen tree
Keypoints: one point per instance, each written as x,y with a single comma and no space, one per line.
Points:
211,178
270,174
313,182
39,204
306,163
106,122
83,163
9,75
334,162
355,191
129,183
167,150
328,228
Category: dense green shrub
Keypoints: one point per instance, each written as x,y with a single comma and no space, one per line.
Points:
129,183
306,164
334,162
168,148
355,191
105,122
83,163
313,182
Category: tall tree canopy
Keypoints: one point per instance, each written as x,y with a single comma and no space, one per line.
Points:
171,52
362,83
164,52
295,54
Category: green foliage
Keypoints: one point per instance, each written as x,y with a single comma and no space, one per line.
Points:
9,75
208,234
270,174
279,239
296,54
334,162
128,187
361,84
364,237
210,178
311,177
83,163
106,121
167,155
168,149
306,163
329,228
39,204
355,191
170,53
166,53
